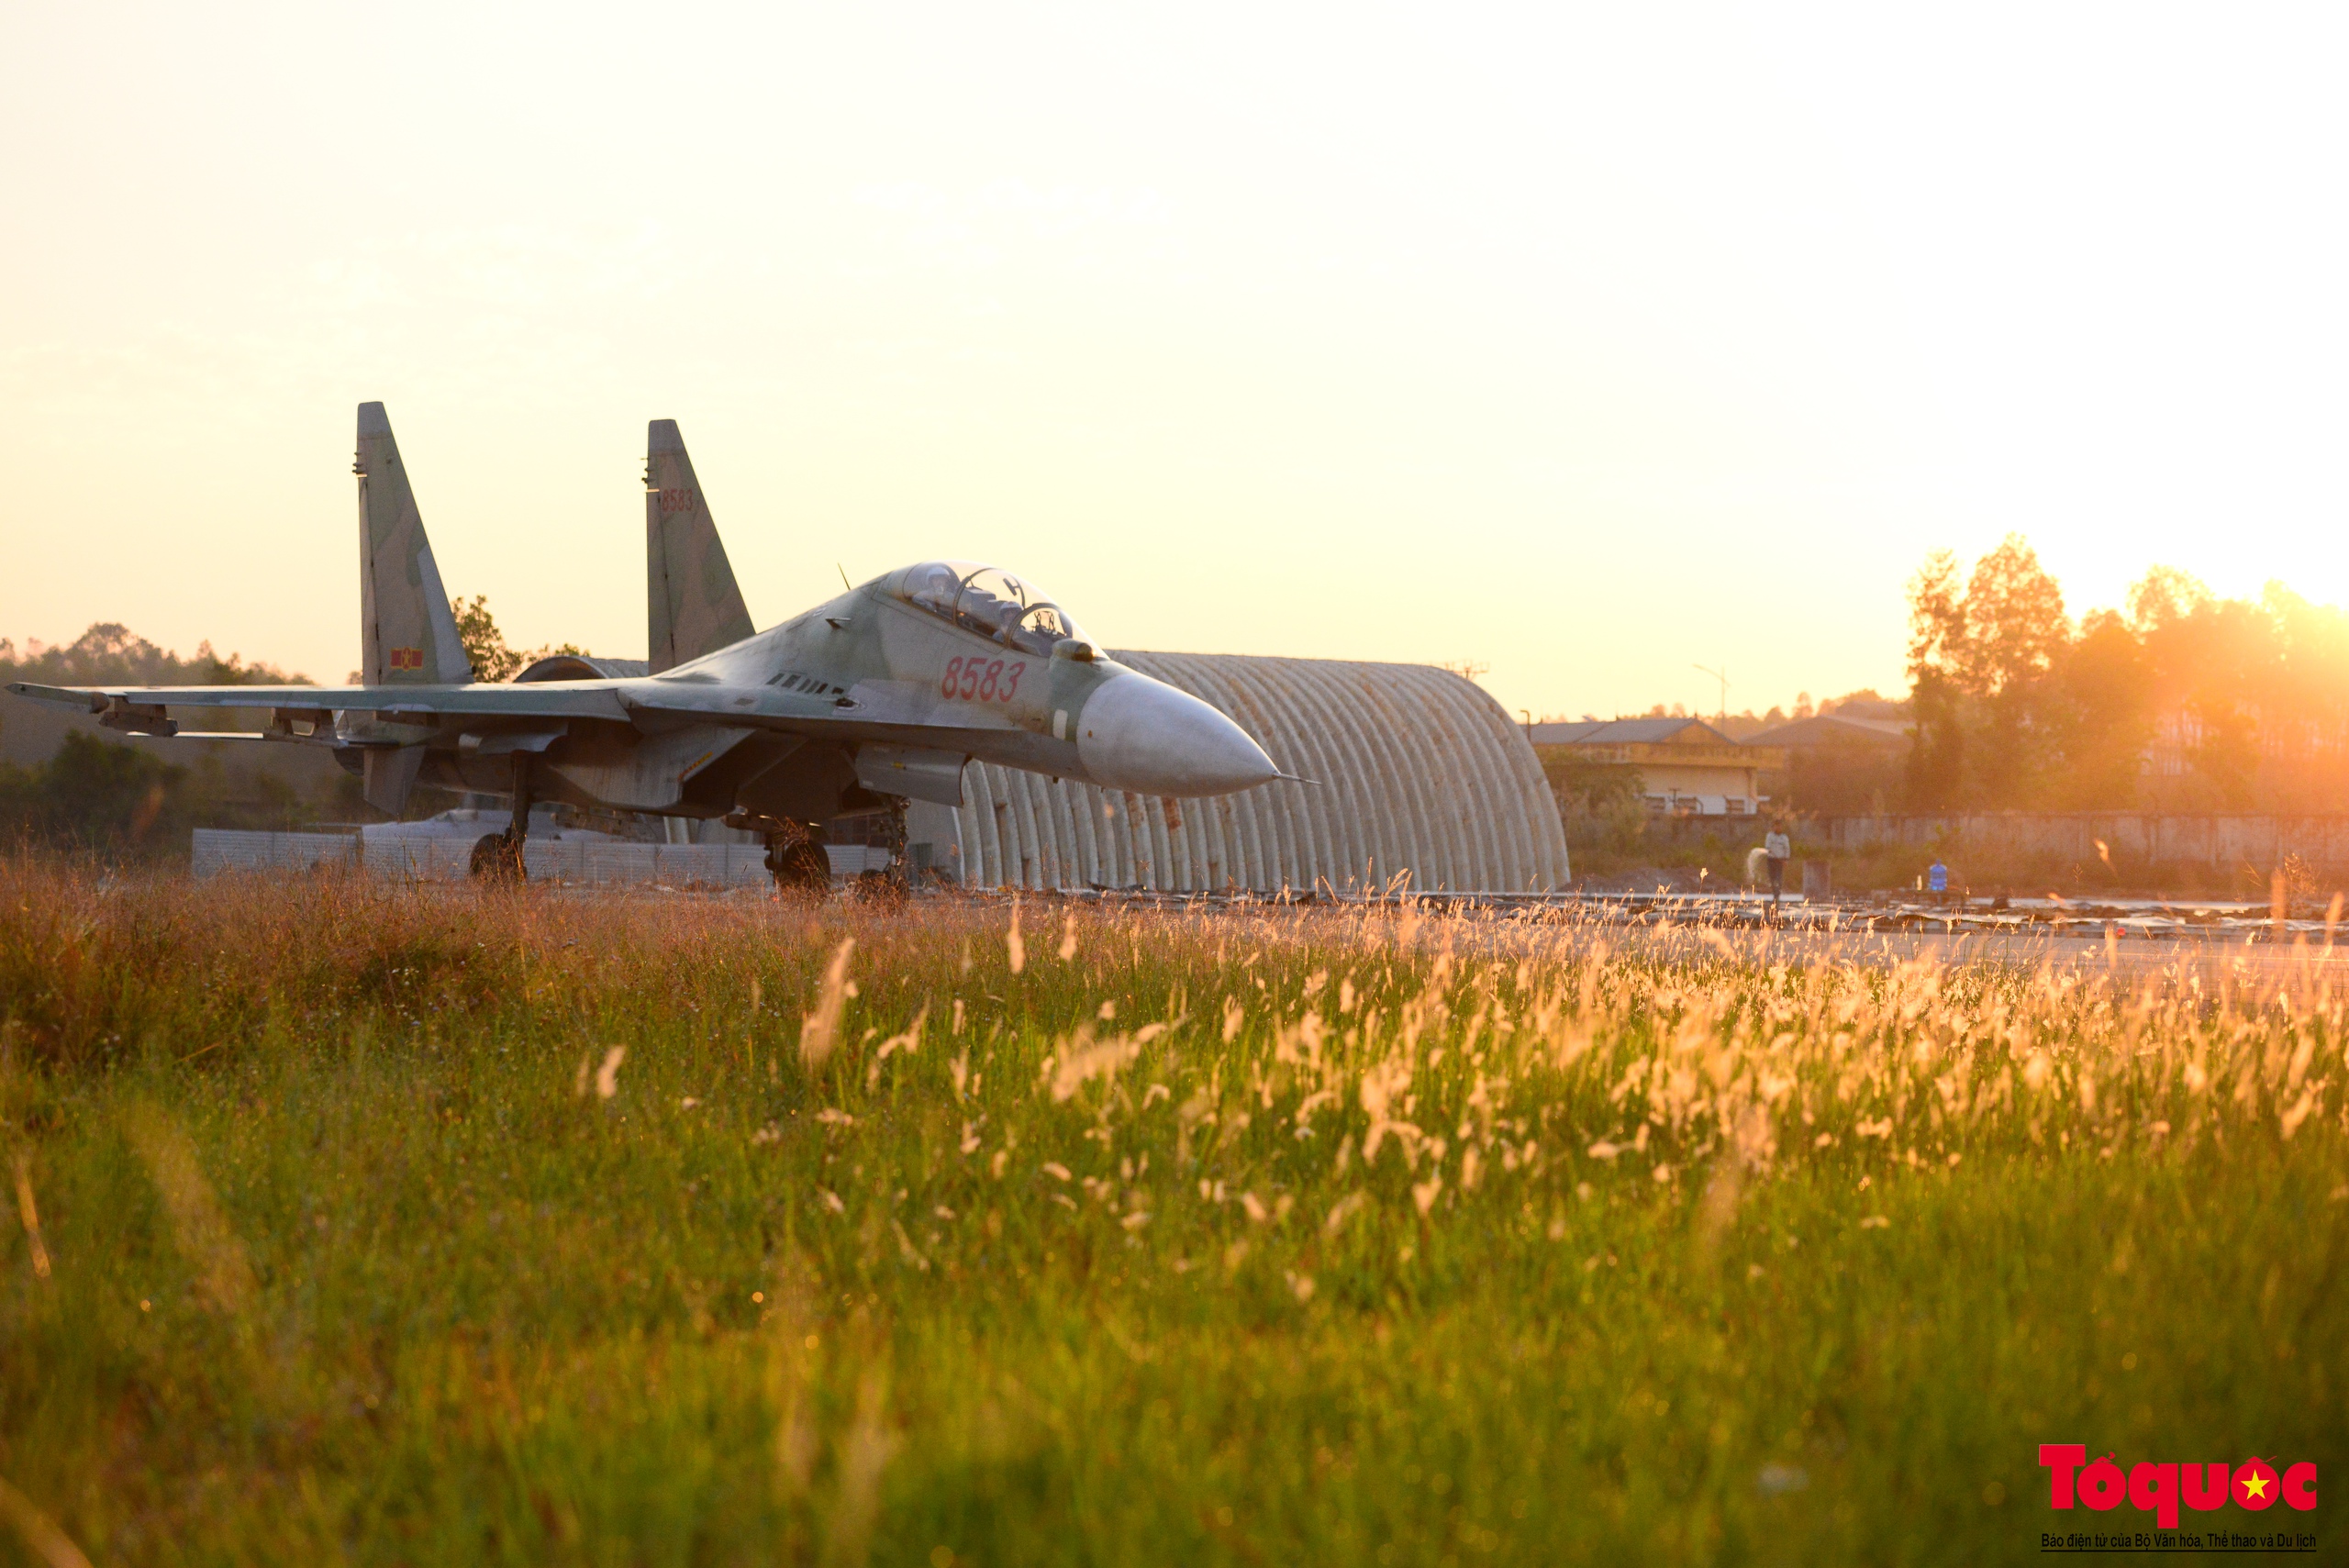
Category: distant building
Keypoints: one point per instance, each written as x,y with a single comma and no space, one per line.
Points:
1835,729
1684,766
1840,764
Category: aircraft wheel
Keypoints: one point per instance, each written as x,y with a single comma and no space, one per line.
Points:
800,867
497,858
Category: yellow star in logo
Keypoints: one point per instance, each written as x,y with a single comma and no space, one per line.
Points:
2256,1486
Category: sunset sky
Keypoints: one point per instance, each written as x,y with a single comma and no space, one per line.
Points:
1590,345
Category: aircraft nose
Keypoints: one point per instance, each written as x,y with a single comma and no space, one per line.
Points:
1139,734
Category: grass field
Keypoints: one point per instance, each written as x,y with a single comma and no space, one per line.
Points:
424,1227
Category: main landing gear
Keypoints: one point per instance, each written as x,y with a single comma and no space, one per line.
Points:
497,857
887,889
796,858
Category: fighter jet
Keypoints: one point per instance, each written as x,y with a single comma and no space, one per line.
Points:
875,697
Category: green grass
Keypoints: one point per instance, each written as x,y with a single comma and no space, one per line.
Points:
350,1258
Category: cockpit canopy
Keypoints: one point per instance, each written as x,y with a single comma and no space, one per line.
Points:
990,602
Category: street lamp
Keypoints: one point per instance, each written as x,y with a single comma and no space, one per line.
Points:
1722,676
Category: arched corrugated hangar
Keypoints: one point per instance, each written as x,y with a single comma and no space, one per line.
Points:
1416,771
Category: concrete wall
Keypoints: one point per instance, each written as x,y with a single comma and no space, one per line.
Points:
574,860
2220,842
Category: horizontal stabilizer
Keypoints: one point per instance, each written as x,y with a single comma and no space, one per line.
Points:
388,774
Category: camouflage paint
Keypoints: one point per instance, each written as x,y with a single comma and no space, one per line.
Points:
694,606
407,637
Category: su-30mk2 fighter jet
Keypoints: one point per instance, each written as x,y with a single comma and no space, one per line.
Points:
879,696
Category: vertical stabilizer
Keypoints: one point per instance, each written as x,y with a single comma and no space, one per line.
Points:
695,607
407,637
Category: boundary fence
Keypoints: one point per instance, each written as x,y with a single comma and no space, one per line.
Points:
2216,839
579,861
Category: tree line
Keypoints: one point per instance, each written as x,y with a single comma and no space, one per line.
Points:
2180,701
100,792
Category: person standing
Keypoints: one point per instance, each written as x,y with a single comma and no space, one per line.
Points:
1937,880
1779,849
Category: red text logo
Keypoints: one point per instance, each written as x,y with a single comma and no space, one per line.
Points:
2158,1489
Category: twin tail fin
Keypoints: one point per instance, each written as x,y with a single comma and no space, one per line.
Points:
694,606
407,637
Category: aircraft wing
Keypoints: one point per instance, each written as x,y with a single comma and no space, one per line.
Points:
141,709
134,707
876,715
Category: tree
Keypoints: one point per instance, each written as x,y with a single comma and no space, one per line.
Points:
2215,666
117,797
2305,712
1936,616
2185,702
2015,628
2109,687
91,793
1937,724
2164,596
1936,780
1987,718
110,653
485,645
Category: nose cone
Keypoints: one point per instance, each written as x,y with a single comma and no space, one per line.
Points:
1142,735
